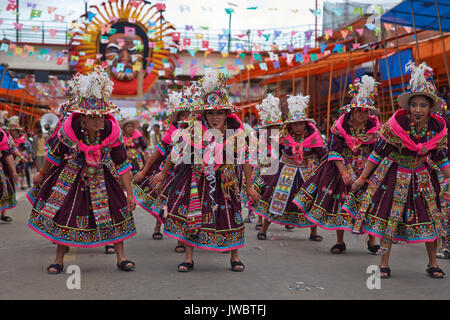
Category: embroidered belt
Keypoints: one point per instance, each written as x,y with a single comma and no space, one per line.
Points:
289,160
407,162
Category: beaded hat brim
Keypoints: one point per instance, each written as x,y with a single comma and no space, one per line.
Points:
403,100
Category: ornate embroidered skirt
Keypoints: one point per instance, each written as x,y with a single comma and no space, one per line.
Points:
401,203
277,193
8,190
145,194
221,230
321,198
70,220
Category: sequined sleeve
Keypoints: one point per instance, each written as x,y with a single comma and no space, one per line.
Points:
382,150
336,147
56,150
440,157
143,144
119,157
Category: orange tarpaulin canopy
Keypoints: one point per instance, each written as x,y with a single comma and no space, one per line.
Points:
17,96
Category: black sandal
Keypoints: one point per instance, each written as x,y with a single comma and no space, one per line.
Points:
234,264
386,270
315,237
59,268
188,265
123,265
340,247
261,236
157,236
180,246
110,249
258,226
431,272
6,219
373,249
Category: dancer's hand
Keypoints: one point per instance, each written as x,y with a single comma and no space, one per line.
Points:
253,195
347,178
131,203
139,177
357,184
37,179
15,177
157,179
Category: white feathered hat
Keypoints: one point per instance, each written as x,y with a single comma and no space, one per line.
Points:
92,92
297,106
213,93
14,123
364,92
421,84
269,111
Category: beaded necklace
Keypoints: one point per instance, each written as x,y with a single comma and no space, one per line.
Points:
417,135
87,138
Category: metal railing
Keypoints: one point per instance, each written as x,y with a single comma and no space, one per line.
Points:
36,31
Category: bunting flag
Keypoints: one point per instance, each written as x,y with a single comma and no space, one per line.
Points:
344,33
12,6
51,9
176,36
91,16
31,5
35,13
299,57
188,27
35,29
257,56
356,45
59,18
205,44
18,26
338,11
323,47
186,42
306,49
52,32
308,35
273,56
290,48
289,58
276,34
260,33
185,8
276,64
358,10
360,31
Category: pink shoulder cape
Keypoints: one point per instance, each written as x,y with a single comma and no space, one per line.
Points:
168,135
92,153
4,142
420,148
136,135
314,140
354,142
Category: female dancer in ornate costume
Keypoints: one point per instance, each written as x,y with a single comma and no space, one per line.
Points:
353,137
8,176
135,144
145,194
301,149
401,200
202,197
78,199
21,156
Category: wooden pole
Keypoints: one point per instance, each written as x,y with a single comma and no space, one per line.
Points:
415,31
443,42
398,53
388,71
329,100
140,89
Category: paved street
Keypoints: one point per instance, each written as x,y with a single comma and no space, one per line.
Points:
286,266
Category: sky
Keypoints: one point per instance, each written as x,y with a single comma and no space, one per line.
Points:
211,13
